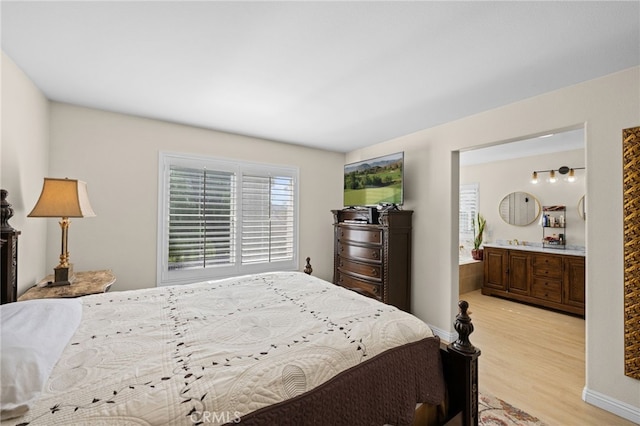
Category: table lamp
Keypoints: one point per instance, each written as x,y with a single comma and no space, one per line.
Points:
63,198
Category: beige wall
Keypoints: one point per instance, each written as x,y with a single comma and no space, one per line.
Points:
499,178
117,155
604,106
24,160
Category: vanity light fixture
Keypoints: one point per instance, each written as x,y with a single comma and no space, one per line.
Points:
564,170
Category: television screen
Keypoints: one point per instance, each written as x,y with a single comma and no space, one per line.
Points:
375,181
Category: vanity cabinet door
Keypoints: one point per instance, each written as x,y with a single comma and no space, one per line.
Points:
496,269
519,276
574,281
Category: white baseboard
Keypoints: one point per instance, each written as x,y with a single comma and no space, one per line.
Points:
614,406
444,335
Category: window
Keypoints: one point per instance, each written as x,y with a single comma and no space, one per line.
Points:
220,218
468,209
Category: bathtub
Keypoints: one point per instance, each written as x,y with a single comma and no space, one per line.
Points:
470,274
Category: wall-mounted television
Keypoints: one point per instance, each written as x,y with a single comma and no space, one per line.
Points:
373,182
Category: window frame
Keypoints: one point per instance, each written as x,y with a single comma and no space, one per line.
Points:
167,277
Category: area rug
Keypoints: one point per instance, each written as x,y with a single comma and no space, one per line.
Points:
493,411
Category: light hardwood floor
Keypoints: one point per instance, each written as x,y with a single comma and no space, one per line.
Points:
534,359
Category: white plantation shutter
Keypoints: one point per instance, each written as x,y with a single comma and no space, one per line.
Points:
220,218
468,208
201,218
268,219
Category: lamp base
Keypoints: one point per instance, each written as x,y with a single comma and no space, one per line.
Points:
62,276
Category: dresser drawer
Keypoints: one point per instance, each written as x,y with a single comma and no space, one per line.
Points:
366,288
373,236
547,289
547,266
360,252
370,271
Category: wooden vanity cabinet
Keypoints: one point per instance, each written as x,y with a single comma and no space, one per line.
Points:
545,279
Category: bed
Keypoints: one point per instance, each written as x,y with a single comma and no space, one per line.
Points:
281,348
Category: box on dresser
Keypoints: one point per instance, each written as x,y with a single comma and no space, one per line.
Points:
374,259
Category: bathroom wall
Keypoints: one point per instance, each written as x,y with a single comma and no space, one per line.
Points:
500,178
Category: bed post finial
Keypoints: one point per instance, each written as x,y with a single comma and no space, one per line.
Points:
464,327
307,268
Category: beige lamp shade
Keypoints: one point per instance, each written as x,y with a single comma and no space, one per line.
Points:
63,198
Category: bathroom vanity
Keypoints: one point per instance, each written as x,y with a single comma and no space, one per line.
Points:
541,276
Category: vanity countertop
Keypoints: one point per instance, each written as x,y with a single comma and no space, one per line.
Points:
570,251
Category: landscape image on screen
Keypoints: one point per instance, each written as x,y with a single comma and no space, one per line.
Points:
375,181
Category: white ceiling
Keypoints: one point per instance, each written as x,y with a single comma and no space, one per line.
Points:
544,144
333,75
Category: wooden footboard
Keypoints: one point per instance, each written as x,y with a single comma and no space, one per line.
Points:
460,363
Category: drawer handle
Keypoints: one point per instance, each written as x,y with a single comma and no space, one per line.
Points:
376,290
375,254
374,272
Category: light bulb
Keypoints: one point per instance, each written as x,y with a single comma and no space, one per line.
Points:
552,176
572,175
534,178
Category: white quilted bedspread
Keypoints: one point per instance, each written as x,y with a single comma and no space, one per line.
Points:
211,352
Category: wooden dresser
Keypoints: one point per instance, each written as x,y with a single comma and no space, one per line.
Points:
553,280
374,259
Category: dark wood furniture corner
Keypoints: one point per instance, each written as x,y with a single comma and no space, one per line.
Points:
85,283
8,252
374,259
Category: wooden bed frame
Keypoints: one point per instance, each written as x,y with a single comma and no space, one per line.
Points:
459,358
460,364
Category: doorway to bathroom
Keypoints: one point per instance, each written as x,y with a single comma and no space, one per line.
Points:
491,175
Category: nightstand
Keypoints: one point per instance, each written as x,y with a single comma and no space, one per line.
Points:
88,282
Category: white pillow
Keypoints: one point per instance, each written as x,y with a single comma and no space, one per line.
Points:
33,335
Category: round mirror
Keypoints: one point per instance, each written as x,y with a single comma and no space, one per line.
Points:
519,208
582,208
